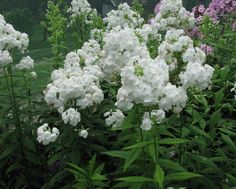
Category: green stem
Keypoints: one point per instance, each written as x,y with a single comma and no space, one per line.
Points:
142,140
16,115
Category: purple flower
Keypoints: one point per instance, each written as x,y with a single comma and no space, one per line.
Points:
201,9
209,50
157,8
195,33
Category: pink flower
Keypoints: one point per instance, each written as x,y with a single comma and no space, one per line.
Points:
209,50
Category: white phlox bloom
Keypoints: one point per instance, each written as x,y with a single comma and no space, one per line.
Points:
120,46
146,122
194,55
172,14
146,31
91,52
10,38
46,134
79,7
197,75
158,115
123,17
74,82
83,133
5,58
114,118
173,98
26,63
33,75
190,58
142,82
174,42
71,116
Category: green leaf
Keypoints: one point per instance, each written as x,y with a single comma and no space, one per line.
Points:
170,164
132,156
172,141
181,176
219,96
136,179
99,177
118,154
200,132
138,145
159,176
203,160
77,168
228,141
231,178
214,119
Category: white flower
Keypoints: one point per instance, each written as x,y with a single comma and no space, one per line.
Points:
71,116
142,82
172,14
158,115
33,75
146,122
90,52
114,118
123,17
75,83
197,75
46,135
173,98
5,58
26,63
120,46
79,7
83,133
10,38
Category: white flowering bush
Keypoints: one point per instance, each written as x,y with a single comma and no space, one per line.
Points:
134,104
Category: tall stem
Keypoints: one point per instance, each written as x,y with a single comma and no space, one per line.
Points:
15,114
142,140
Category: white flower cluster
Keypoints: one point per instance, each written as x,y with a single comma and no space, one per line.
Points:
149,118
146,122
174,98
10,39
142,82
142,79
114,118
172,14
71,116
120,46
46,134
178,49
74,84
5,58
83,133
197,75
90,53
158,115
123,17
79,7
147,31
26,63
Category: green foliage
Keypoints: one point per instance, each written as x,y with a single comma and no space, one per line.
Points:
137,6
56,26
90,177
